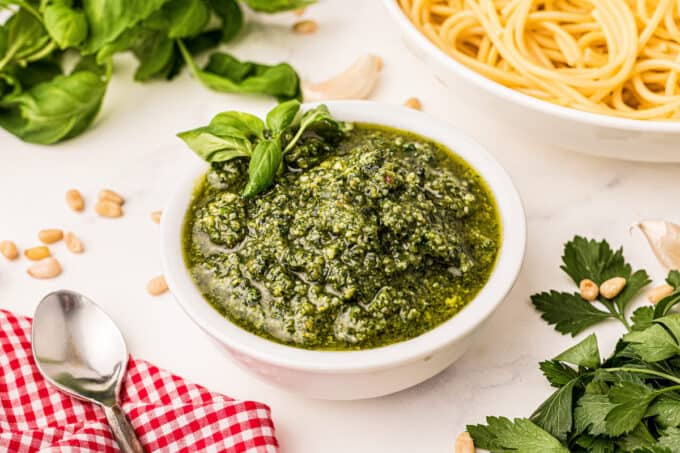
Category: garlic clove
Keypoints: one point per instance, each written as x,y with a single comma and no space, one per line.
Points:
664,239
356,82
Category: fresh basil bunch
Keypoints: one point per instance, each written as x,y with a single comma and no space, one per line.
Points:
236,134
41,103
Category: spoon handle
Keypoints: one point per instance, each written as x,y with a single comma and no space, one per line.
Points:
122,430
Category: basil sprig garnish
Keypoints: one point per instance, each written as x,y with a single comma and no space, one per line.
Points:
235,134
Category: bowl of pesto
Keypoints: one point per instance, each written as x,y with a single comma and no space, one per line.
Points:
346,256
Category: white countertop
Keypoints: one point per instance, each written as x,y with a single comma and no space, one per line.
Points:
133,149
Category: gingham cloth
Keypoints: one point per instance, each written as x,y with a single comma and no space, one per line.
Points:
168,414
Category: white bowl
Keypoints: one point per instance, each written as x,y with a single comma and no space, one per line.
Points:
544,122
373,372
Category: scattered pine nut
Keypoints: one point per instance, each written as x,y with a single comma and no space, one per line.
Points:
9,250
413,103
156,216
108,208
50,236
589,289
110,195
74,200
73,243
37,253
660,292
464,443
612,287
305,27
157,285
299,12
45,268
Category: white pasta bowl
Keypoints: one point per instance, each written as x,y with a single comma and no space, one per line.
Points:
544,122
372,372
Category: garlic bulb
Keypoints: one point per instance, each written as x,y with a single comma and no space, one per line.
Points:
664,239
356,82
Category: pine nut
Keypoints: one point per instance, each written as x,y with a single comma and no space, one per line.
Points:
305,27
9,250
74,200
464,443
108,208
612,287
299,12
46,268
379,63
50,236
37,253
660,292
73,243
413,103
589,289
156,216
110,195
157,285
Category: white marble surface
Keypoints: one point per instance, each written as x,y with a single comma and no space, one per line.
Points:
132,148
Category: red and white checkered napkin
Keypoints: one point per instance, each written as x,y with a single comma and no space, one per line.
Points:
168,414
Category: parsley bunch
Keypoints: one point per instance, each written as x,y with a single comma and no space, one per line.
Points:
629,402
46,98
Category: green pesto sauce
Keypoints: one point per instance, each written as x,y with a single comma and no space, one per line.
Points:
375,238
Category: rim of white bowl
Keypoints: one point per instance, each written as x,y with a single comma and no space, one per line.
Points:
517,97
502,279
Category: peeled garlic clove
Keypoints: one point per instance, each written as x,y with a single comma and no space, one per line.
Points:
356,82
664,239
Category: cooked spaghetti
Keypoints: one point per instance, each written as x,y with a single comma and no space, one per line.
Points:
614,57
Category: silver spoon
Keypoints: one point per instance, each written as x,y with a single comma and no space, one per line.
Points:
79,349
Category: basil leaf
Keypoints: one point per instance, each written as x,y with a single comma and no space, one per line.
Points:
309,118
108,19
3,41
227,74
214,148
67,26
180,18
232,17
263,166
275,6
282,116
26,39
194,45
155,53
238,124
55,110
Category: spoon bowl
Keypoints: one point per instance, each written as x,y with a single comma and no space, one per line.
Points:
80,350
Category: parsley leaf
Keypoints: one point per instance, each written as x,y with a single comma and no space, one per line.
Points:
584,258
666,411
555,414
642,317
657,342
632,401
671,440
640,437
501,435
557,373
590,414
673,279
669,302
635,282
585,354
569,313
